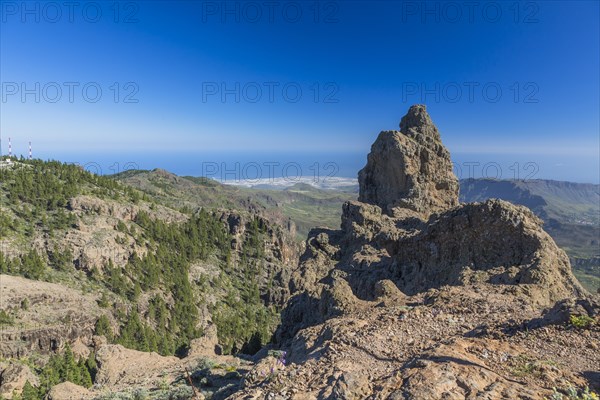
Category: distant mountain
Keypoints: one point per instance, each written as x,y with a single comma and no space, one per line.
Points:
566,202
349,185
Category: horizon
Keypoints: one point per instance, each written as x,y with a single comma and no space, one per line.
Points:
137,82
273,171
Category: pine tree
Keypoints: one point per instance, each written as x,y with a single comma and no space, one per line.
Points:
70,370
85,379
91,365
104,302
103,328
29,392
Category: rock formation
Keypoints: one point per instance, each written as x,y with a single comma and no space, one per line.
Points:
412,269
409,229
409,168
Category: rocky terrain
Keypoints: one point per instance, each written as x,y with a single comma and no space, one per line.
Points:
570,211
416,296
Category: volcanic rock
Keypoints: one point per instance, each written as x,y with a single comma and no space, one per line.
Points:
409,230
409,168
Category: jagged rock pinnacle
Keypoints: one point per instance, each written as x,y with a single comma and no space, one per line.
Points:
410,168
417,120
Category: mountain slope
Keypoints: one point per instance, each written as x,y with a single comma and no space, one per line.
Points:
146,276
299,207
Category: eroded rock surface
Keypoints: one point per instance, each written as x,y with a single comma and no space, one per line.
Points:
421,239
410,168
420,297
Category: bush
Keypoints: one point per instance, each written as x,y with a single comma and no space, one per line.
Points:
6,318
581,321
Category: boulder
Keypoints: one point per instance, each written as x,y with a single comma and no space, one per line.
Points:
13,377
68,391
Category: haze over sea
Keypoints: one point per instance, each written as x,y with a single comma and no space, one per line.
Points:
240,166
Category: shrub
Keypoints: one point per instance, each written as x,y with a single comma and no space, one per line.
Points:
581,321
6,318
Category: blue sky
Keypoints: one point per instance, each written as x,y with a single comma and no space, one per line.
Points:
188,82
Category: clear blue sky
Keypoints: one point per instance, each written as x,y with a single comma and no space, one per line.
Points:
359,66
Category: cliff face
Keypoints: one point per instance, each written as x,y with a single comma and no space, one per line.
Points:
417,288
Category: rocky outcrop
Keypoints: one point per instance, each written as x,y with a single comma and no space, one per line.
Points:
13,377
404,300
120,367
68,391
409,168
279,250
409,230
46,316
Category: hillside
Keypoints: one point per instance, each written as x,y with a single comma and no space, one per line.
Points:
83,255
303,205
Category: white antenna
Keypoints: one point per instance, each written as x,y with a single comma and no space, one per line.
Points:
30,151
9,148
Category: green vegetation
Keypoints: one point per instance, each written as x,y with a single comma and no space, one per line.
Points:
166,330
36,201
6,318
303,204
38,193
243,322
572,393
30,265
104,328
523,365
587,272
61,368
581,321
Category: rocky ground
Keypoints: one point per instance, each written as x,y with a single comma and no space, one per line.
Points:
451,343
